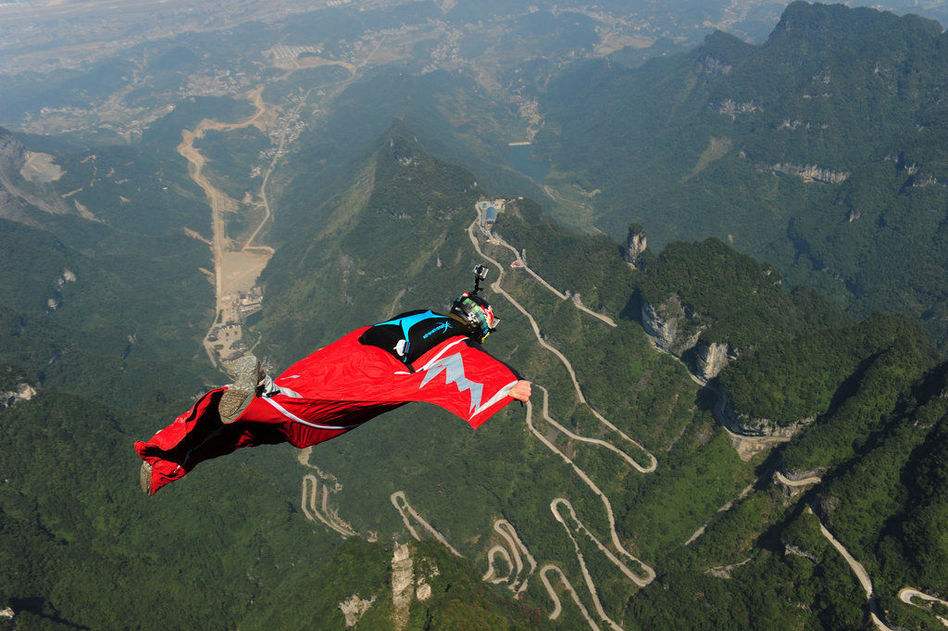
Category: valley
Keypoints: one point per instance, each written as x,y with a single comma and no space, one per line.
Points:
235,268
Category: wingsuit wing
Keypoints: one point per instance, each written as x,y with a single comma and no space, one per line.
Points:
349,380
464,380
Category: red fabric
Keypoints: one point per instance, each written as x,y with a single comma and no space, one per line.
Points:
338,387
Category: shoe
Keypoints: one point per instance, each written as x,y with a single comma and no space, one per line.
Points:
246,373
144,478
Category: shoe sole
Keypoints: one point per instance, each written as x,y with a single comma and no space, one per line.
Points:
233,402
237,397
246,372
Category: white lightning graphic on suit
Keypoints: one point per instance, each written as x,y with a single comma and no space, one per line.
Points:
453,368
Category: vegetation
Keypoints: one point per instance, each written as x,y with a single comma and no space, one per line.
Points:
372,220
800,377
795,350
578,263
231,156
692,144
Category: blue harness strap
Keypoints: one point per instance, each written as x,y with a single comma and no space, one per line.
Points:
410,335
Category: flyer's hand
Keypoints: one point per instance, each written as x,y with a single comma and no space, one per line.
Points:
521,391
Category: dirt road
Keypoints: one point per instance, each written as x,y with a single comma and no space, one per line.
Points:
234,270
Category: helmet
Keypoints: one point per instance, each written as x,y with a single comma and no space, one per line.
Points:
476,313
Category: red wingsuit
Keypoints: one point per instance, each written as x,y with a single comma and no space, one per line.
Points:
328,393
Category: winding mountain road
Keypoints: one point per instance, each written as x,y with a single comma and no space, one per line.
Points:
496,238
875,614
315,505
907,594
491,576
557,606
647,574
581,398
319,511
516,579
400,502
514,553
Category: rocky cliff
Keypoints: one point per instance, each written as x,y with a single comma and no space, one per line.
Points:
673,327
15,192
23,392
635,246
12,150
747,425
710,358
670,325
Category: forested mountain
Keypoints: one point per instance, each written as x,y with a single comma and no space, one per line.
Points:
103,367
734,299
732,393
315,297
821,150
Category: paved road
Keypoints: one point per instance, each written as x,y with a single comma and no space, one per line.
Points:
556,292
497,287
514,553
875,614
907,594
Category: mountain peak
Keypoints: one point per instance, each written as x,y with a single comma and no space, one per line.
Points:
725,46
829,24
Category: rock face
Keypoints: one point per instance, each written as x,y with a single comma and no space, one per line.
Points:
668,324
15,188
635,245
354,608
812,173
403,583
747,425
23,392
711,358
12,151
